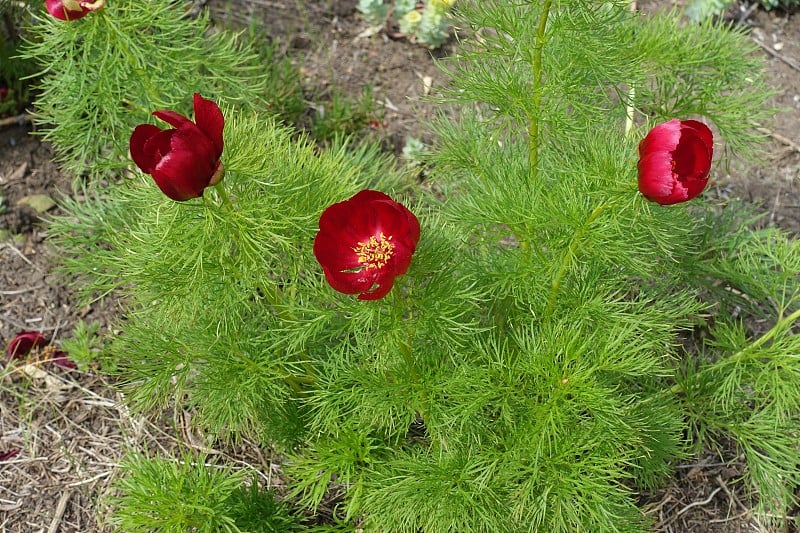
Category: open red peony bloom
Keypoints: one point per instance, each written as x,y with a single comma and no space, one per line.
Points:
185,160
364,243
72,9
24,342
674,161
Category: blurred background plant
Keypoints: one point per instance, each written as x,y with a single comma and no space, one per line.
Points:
698,10
425,22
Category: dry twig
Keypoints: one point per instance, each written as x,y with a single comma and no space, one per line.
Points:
776,55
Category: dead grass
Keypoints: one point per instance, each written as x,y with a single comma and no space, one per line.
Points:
71,431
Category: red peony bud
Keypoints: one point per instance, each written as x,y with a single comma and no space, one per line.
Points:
674,161
24,342
364,243
72,9
185,160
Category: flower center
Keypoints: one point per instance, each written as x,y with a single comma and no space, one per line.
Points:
376,252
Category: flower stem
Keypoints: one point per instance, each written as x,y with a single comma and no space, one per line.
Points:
744,352
405,349
223,195
631,94
629,110
576,241
533,114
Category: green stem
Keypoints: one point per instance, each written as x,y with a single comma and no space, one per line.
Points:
576,241
275,296
533,114
294,383
405,349
629,110
223,195
741,354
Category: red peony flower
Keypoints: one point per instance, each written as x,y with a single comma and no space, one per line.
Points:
3,93
21,345
674,161
185,160
24,342
72,9
364,243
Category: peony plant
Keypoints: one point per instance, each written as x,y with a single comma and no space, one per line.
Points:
529,342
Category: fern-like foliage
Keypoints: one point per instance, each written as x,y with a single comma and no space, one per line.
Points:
528,372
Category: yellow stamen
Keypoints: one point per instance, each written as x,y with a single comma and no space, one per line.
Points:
376,252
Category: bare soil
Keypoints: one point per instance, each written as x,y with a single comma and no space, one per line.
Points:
71,427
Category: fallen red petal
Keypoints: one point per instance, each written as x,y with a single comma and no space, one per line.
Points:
10,454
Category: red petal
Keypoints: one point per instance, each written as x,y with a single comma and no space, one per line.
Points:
56,8
349,282
380,290
10,454
348,222
171,188
144,159
61,359
172,118
656,181
662,138
209,119
702,131
334,253
413,227
368,195
692,158
187,169
24,342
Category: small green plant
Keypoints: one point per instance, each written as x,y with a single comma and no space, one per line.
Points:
428,23
257,510
342,116
698,10
85,345
414,151
175,496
